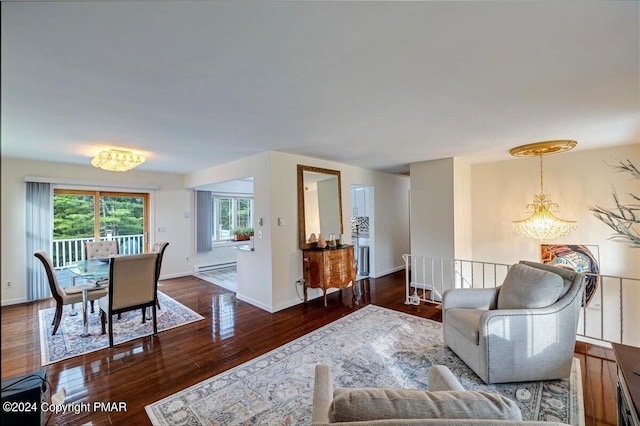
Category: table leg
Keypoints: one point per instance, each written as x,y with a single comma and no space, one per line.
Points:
73,305
85,318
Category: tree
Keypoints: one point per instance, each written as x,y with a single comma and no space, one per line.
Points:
625,218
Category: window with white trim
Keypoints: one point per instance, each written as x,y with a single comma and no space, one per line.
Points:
230,212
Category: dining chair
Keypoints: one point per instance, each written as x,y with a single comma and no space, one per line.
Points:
100,249
132,286
159,247
63,295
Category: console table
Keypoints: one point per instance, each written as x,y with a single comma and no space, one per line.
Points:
328,268
628,362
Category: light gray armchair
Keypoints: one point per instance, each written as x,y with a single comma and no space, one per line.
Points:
523,330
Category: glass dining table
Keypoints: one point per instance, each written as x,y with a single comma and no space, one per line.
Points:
93,271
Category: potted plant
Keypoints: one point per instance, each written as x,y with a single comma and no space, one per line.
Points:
242,233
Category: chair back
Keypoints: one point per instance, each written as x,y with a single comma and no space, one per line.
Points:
159,247
132,281
100,249
56,290
571,279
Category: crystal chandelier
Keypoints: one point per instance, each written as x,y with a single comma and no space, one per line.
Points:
543,224
117,160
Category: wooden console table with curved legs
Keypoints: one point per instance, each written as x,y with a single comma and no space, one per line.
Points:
328,268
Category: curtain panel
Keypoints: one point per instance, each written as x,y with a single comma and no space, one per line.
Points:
204,221
39,236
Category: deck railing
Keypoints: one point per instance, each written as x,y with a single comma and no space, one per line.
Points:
607,318
67,251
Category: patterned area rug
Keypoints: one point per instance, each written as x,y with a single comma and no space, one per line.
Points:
67,342
372,347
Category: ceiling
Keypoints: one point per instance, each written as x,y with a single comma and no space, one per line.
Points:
192,84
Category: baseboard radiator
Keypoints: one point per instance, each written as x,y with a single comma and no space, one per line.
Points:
204,268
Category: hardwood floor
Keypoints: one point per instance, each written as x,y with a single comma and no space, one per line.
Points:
146,370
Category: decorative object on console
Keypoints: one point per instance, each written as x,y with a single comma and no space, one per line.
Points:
117,160
543,224
579,258
322,243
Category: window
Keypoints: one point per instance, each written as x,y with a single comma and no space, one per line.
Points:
229,213
80,216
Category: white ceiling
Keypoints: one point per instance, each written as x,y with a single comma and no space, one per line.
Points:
192,84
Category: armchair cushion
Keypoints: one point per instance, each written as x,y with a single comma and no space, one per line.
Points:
376,404
526,287
466,321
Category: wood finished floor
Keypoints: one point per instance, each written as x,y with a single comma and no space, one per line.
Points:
143,371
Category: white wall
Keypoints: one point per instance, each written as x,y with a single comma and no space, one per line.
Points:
432,208
463,220
168,206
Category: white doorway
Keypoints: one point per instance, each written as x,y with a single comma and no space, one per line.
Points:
362,229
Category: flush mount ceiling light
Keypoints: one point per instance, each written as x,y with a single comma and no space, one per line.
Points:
543,224
117,160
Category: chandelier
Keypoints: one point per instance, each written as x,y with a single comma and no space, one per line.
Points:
117,160
543,224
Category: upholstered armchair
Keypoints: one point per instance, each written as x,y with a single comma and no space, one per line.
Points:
523,330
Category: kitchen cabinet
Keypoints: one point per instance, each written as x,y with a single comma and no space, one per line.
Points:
360,202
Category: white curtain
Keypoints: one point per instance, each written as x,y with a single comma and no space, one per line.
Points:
39,237
204,221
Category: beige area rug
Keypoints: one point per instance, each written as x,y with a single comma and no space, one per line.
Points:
67,342
372,347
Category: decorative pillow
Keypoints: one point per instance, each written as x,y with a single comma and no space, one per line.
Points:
526,287
380,404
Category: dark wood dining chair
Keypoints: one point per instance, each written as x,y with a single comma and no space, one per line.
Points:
159,247
132,286
63,295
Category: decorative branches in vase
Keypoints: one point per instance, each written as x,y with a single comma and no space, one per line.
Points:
624,219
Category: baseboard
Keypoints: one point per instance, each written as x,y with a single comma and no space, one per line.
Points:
387,272
8,302
255,303
176,275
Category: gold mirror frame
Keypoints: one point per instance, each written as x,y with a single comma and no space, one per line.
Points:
301,216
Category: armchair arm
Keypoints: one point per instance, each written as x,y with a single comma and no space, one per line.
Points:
535,344
322,394
442,379
470,298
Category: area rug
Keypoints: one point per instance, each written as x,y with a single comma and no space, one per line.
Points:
372,347
67,342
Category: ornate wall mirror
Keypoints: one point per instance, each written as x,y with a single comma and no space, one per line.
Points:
319,203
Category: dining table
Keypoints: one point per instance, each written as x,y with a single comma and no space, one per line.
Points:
95,272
